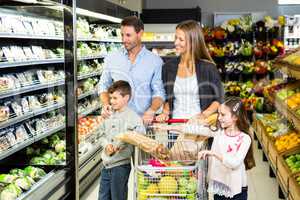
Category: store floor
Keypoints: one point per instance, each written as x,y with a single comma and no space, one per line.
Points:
261,186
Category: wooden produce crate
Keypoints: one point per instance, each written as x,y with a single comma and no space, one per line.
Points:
283,171
273,153
257,128
294,187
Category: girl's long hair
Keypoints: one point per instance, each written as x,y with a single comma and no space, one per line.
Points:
237,108
196,47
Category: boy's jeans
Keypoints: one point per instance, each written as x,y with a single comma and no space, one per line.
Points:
114,183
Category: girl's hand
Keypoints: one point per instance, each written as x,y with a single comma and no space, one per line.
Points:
197,119
204,154
162,117
161,127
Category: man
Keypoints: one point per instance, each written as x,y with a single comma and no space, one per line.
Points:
138,66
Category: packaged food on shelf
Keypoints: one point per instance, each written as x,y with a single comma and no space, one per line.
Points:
11,137
6,83
25,105
4,142
21,133
33,103
4,113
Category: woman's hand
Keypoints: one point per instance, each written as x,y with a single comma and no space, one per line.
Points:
162,117
198,119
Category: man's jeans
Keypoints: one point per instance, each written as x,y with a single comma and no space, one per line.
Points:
114,183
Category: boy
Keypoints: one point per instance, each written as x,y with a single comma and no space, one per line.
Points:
116,155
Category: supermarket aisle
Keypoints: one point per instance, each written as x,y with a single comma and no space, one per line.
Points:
261,186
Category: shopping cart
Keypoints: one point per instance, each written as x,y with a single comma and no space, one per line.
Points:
180,177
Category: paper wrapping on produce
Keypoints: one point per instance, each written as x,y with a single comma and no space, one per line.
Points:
186,147
145,143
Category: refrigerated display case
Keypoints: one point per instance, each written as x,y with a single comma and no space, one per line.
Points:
37,135
96,36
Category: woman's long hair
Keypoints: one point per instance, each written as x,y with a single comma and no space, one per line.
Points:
196,47
237,108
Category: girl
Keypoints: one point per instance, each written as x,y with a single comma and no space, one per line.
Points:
231,153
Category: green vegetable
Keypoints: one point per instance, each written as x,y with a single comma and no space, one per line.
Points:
7,178
29,151
23,183
38,161
62,156
10,192
17,172
34,172
60,146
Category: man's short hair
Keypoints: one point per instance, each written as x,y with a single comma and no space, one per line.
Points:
133,21
121,86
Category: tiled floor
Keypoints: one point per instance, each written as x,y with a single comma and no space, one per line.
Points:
261,186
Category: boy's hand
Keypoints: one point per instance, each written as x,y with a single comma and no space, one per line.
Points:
106,111
109,149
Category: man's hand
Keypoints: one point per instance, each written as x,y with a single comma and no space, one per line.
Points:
106,111
148,116
110,149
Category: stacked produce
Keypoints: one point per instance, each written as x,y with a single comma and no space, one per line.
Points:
87,85
287,142
50,151
97,31
156,183
28,53
293,161
88,125
17,181
20,24
274,124
93,67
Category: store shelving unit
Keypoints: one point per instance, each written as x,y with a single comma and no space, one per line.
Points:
286,178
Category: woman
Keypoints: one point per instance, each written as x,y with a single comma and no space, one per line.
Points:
192,81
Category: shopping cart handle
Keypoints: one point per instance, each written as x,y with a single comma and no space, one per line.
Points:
173,121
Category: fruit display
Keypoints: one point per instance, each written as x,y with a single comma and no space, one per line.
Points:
88,125
293,101
285,93
49,151
287,141
275,125
293,161
17,181
155,183
292,58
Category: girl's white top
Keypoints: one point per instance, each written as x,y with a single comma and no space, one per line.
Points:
228,177
187,101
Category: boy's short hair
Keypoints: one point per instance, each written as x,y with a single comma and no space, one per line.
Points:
121,86
133,21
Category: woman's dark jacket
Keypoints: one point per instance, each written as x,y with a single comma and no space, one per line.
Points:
208,78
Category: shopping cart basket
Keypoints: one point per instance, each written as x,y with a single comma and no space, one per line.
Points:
180,177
